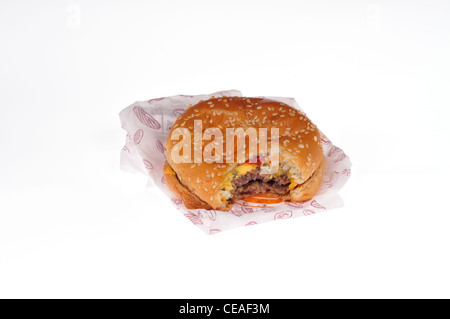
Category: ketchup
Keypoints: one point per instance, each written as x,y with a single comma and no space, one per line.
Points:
259,160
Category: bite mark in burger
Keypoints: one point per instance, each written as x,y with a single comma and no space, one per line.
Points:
218,185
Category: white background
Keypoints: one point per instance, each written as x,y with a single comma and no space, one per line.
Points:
373,75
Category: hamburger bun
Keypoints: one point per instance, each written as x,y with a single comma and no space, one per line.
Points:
217,185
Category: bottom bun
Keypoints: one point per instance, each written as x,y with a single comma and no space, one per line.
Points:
190,200
308,189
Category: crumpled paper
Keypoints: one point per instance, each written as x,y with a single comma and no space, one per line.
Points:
148,124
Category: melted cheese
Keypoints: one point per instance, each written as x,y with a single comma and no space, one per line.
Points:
236,172
169,170
244,169
227,183
293,184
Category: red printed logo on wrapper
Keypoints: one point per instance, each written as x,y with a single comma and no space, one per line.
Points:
236,213
148,165
157,99
211,214
294,204
138,136
328,184
178,111
316,204
283,215
308,212
340,158
251,223
146,118
194,219
160,146
177,201
325,140
333,150
247,210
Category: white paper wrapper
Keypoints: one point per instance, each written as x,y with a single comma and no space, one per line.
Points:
148,123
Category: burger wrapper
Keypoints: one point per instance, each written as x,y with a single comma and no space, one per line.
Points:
148,124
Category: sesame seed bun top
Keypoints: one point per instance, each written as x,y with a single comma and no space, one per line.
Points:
299,145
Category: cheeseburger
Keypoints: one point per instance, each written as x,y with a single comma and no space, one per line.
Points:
279,156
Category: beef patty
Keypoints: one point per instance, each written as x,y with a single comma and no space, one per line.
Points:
255,183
